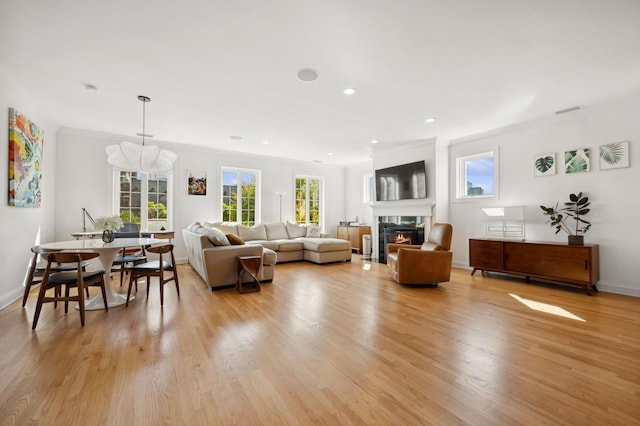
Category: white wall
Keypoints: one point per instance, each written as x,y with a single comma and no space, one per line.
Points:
22,228
613,193
354,186
86,180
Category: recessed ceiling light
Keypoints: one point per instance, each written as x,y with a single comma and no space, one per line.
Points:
235,138
374,141
317,161
265,142
430,120
90,87
349,91
307,74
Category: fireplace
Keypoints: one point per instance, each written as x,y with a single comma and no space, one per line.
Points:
399,230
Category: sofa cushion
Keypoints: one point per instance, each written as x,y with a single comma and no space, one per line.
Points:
289,245
322,245
429,246
256,232
216,236
276,231
225,227
269,257
296,231
271,245
234,240
313,231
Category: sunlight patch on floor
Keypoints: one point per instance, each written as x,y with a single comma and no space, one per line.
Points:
366,266
545,307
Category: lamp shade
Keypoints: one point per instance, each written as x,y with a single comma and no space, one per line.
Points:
143,158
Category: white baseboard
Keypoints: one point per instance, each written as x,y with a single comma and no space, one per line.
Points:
8,298
608,288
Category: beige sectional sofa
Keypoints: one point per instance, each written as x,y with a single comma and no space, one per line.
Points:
214,258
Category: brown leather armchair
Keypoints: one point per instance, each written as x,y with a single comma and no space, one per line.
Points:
429,263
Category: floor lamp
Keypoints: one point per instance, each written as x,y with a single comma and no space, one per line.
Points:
280,194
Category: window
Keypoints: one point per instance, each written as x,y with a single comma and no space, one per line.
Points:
243,208
308,200
144,199
476,175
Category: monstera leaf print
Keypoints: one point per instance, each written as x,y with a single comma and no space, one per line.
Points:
543,164
577,161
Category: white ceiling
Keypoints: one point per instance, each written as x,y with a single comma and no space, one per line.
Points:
215,69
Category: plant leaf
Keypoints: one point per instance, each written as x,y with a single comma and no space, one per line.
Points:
612,153
543,164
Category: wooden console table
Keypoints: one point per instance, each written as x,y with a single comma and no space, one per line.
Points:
354,234
575,265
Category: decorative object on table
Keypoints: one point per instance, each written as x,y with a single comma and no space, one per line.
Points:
108,225
573,210
614,155
544,164
142,158
577,160
197,183
26,141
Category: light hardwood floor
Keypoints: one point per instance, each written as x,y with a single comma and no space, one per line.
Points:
328,344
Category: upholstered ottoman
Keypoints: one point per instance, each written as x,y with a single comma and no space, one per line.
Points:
325,250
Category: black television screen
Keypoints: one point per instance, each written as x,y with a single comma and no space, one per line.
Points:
403,182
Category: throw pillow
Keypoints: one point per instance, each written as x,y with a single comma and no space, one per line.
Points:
216,237
255,232
313,231
296,231
193,226
276,231
234,240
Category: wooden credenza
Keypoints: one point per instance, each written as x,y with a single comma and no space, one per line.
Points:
576,265
354,235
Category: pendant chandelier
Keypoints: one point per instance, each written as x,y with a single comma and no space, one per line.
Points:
143,158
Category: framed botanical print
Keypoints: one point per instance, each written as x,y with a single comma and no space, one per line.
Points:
544,164
577,160
614,155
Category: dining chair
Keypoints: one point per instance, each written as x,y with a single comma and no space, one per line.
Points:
36,270
156,268
69,279
128,256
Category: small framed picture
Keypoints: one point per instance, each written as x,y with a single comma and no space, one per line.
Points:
614,155
577,160
544,164
197,183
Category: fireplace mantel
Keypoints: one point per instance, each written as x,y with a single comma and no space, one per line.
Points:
404,208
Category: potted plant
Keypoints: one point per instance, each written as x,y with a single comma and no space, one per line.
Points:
573,211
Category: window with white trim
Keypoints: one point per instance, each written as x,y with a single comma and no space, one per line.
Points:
309,200
240,200
144,199
476,175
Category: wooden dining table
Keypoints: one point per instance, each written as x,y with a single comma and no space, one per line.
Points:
107,252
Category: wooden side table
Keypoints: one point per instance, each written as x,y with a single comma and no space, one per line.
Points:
250,265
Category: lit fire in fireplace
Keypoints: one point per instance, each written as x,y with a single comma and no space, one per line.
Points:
401,238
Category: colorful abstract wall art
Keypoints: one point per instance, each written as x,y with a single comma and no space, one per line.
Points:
26,142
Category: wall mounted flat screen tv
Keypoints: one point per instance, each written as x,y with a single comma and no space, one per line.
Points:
403,182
